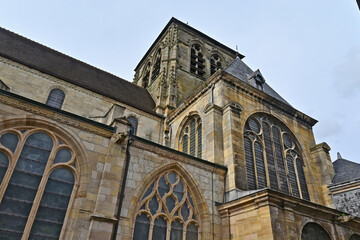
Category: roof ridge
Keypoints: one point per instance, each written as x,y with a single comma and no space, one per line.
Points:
62,54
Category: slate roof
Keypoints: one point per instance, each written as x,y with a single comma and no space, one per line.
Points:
49,61
240,70
345,171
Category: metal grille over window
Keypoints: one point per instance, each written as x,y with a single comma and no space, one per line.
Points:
134,124
215,63
56,98
190,137
35,186
197,60
156,67
166,211
273,157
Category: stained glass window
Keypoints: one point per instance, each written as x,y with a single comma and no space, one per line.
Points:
191,139
33,164
267,142
168,208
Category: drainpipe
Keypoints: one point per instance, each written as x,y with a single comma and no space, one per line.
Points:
122,193
212,93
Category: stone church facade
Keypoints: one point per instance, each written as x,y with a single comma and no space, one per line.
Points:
199,146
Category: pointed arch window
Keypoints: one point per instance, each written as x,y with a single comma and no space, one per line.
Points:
215,63
355,237
167,211
37,176
134,125
156,67
56,98
273,158
191,137
313,231
197,60
146,76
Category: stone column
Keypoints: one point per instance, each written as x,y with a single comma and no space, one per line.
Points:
213,134
102,219
232,140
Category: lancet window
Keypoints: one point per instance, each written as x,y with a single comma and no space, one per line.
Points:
215,63
197,60
156,67
167,211
56,98
273,158
146,76
37,176
191,137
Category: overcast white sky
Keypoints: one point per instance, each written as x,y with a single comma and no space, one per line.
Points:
308,51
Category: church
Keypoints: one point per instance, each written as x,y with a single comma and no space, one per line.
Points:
199,146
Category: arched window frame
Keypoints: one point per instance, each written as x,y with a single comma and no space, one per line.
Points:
197,60
157,64
56,98
187,136
320,227
152,192
146,75
281,157
216,63
58,143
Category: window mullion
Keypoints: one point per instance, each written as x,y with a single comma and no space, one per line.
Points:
12,163
39,192
285,163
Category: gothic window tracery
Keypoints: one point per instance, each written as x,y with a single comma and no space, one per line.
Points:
197,61
273,158
191,137
37,176
156,67
56,98
215,63
167,211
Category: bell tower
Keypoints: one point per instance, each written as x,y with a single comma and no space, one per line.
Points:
178,62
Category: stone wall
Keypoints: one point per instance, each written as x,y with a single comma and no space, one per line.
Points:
35,85
348,202
147,161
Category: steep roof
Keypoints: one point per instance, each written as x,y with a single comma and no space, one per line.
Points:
241,71
49,61
345,170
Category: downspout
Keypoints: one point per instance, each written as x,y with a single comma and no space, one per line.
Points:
212,93
212,202
122,193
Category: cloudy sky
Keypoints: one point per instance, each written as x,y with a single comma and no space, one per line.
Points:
308,51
